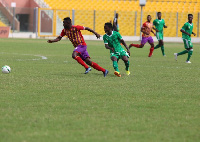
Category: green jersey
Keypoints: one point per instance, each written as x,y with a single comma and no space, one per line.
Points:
187,27
159,24
113,41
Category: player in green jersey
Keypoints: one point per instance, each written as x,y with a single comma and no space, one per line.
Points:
112,41
186,36
159,24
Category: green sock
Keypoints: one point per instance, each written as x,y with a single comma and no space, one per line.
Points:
115,66
162,49
157,46
127,65
189,54
183,52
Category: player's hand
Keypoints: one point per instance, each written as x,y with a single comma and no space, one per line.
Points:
98,36
194,34
49,41
113,50
154,34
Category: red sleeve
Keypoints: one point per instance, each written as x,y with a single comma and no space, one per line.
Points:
79,27
144,25
62,34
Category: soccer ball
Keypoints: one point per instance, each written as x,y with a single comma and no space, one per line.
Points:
6,69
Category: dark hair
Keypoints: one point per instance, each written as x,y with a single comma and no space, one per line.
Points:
148,15
190,15
67,19
159,12
109,25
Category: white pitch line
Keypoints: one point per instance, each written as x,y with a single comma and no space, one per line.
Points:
43,57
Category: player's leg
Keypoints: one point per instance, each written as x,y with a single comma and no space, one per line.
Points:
190,51
86,57
96,66
124,56
76,55
115,65
162,48
161,43
126,62
180,53
151,42
186,45
157,46
158,37
141,45
136,45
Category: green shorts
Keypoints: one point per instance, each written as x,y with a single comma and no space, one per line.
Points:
119,55
159,35
187,43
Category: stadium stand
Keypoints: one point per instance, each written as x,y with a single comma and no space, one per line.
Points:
84,13
2,24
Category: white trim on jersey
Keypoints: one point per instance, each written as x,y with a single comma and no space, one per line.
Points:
110,35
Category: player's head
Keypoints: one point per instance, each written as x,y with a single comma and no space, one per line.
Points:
190,17
159,15
67,23
108,27
149,18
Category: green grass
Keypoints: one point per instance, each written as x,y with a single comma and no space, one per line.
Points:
52,100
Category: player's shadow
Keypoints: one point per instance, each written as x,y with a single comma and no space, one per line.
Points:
95,74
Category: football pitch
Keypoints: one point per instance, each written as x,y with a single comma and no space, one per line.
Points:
47,96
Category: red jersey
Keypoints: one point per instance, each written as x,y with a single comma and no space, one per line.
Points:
147,26
74,35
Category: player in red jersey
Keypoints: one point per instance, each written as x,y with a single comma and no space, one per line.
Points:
146,37
80,53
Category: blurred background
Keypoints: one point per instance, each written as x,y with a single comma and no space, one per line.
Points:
44,17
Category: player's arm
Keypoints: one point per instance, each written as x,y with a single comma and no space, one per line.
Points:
115,25
143,30
55,40
153,32
155,29
154,23
124,43
193,33
92,31
183,31
58,38
105,40
165,25
107,47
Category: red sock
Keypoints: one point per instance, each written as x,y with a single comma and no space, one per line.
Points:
80,61
97,67
151,51
136,45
